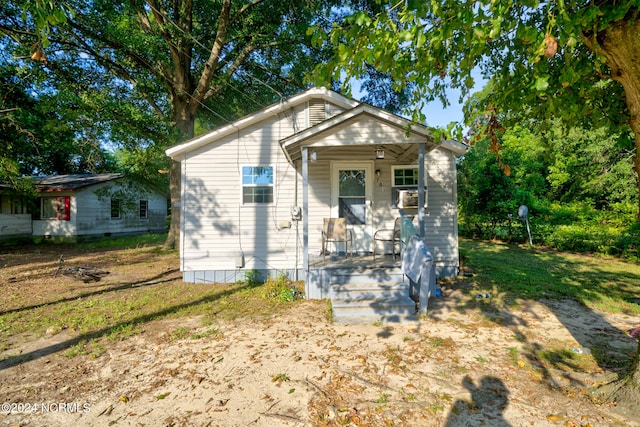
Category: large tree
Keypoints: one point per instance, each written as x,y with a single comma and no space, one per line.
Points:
572,59
177,60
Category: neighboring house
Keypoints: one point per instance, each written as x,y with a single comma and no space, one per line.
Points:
254,193
76,207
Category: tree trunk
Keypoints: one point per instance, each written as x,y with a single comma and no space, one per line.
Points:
184,119
620,45
173,238
187,95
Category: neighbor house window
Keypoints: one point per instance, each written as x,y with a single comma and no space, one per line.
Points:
115,208
257,184
56,208
144,209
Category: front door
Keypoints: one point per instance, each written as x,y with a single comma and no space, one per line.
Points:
351,195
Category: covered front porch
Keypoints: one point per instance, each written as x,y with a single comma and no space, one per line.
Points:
360,165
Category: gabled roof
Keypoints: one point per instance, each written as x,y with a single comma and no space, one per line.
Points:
408,133
57,183
202,140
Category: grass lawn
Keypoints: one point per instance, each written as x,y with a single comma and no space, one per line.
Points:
144,285
603,283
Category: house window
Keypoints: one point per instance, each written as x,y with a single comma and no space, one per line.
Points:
115,209
405,176
143,210
405,186
56,208
257,184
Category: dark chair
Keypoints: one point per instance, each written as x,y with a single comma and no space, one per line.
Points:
388,235
335,230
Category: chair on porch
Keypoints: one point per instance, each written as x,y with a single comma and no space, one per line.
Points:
335,230
389,235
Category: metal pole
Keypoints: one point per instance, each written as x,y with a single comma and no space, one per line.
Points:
421,189
305,218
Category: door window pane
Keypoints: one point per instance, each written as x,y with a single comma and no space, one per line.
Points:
352,183
353,209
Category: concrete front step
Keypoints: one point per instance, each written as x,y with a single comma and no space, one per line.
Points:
379,276
391,289
361,302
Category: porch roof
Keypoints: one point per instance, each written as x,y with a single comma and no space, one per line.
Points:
396,135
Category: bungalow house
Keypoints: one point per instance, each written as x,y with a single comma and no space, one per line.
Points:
255,193
82,206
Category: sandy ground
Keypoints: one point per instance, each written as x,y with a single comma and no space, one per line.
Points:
300,369
470,362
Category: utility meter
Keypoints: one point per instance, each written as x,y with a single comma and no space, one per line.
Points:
296,213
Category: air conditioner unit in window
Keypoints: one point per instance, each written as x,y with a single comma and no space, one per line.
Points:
408,199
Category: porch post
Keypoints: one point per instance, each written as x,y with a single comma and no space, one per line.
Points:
305,218
421,189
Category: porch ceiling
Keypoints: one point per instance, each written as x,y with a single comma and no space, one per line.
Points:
399,153
362,126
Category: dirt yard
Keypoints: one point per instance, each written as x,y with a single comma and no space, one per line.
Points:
471,362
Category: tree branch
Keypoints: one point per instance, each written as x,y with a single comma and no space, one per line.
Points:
237,62
214,56
117,69
245,8
160,20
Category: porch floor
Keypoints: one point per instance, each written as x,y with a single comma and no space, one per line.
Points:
358,261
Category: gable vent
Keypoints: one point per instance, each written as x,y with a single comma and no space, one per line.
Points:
317,111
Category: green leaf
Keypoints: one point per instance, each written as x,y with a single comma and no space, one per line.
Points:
542,83
420,39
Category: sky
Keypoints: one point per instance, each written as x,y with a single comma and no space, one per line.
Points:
437,115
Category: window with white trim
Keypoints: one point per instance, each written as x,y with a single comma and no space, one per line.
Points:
405,176
257,184
404,182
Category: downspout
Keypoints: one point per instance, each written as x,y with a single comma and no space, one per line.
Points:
183,194
295,203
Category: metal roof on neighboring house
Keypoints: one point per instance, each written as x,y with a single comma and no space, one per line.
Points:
56,183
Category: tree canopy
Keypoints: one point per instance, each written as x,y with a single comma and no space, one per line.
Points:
574,60
149,71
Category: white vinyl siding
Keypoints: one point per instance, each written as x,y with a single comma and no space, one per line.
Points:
217,227
441,221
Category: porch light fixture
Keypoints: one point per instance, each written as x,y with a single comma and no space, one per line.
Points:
314,157
379,153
